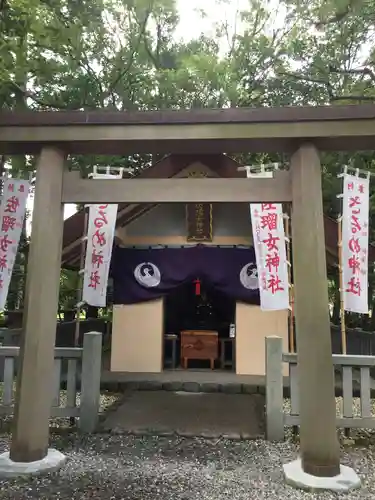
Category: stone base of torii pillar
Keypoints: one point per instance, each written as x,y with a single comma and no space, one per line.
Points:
343,482
50,463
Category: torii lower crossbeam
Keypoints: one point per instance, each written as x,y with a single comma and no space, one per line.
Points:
212,190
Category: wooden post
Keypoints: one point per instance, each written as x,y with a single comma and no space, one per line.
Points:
90,381
292,347
291,299
80,278
36,360
319,442
274,389
341,286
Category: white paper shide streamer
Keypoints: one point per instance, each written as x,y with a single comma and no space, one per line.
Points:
355,236
12,215
270,252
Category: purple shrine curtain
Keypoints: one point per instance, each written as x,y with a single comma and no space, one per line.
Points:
140,275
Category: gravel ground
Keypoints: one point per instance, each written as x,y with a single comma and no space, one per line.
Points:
132,468
107,399
128,467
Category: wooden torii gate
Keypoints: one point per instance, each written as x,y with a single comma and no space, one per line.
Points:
298,131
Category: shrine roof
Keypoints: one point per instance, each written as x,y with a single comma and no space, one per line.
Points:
170,166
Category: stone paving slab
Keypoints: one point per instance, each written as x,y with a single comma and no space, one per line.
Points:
206,381
210,415
185,380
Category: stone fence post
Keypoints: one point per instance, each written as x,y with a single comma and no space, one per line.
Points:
274,389
90,381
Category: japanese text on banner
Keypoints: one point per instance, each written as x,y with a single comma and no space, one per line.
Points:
269,244
355,229
12,215
100,234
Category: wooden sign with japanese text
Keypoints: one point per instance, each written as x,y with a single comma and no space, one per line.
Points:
355,235
198,217
12,215
270,252
199,221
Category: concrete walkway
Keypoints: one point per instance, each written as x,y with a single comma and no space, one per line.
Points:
210,415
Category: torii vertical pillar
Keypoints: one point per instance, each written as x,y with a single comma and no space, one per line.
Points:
319,467
34,382
318,436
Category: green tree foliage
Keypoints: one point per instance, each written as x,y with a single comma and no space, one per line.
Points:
125,55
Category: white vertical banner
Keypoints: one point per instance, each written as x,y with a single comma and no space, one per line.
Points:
12,215
100,235
269,243
355,236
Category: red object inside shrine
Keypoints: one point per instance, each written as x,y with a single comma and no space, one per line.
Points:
197,286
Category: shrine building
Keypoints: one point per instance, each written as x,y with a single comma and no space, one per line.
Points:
184,277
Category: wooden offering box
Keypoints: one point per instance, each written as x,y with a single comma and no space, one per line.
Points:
199,344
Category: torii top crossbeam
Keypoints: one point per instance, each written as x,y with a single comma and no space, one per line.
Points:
207,131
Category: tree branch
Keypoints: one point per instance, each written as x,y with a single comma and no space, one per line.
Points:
3,6
304,78
36,99
151,55
83,63
355,71
319,81
134,50
352,98
338,16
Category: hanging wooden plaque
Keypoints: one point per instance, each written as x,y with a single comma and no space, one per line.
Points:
199,218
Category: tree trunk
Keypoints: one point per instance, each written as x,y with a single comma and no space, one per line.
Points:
365,318
372,320
92,312
69,315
